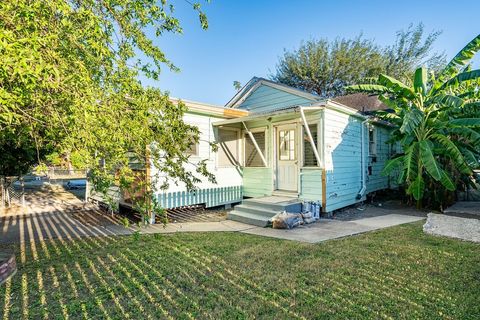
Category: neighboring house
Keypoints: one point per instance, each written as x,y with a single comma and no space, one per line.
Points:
278,140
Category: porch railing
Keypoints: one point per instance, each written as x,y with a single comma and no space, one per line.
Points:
210,196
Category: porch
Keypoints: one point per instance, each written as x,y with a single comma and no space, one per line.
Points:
278,153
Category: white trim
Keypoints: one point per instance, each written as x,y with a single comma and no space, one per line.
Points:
210,109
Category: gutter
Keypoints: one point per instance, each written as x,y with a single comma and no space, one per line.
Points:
362,191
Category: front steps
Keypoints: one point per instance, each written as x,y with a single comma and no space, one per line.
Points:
258,211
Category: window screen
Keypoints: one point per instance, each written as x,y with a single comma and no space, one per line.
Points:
309,159
252,157
227,148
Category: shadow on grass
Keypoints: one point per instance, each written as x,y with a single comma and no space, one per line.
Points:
398,272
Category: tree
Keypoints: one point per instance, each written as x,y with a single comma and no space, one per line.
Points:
69,81
437,124
409,52
325,68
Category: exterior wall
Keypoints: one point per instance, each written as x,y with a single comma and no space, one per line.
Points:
376,181
257,182
343,159
311,184
229,179
266,98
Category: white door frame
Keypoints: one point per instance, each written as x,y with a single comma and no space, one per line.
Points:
276,154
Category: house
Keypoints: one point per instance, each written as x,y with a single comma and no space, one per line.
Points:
279,146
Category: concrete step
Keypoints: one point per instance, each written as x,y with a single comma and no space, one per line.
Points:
294,205
260,211
248,218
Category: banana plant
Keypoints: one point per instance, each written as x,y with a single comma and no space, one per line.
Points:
437,124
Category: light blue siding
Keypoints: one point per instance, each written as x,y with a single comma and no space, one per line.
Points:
311,184
257,182
376,181
343,159
211,197
265,99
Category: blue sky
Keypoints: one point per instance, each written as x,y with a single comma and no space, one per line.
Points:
246,38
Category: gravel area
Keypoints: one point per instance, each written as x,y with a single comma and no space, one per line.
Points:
453,227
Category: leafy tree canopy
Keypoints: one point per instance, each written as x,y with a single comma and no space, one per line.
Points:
437,121
69,83
325,67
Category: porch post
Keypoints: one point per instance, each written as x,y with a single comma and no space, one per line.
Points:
256,145
309,134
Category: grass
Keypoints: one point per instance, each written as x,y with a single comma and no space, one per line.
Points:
393,273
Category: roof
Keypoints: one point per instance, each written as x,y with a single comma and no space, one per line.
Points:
255,82
329,104
361,102
210,109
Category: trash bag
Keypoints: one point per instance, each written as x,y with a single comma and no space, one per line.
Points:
284,220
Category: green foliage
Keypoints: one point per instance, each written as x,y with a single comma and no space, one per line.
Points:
438,126
69,84
325,68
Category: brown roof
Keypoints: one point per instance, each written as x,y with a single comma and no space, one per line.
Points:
362,102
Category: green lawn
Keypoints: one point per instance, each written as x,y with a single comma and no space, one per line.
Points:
394,273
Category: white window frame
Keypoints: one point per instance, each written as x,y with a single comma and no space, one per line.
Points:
373,145
244,142
217,157
197,150
317,123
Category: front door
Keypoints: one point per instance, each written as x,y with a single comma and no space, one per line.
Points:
287,162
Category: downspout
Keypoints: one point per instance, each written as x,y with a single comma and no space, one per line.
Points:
256,145
362,191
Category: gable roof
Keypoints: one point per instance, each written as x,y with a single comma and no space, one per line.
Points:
256,82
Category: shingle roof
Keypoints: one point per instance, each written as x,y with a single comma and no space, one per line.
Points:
362,102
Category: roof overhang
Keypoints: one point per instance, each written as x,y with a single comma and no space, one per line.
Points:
209,109
293,111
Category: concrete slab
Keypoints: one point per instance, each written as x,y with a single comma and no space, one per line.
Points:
327,229
453,227
387,220
468,209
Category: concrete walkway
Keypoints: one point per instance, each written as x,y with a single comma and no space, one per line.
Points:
324,229
57,214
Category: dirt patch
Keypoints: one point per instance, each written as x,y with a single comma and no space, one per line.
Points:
377,209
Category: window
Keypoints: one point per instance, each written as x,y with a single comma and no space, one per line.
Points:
286,144
309,159
252,156
192,150
372,141
227,148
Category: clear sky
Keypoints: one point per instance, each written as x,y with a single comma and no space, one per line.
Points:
246,38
